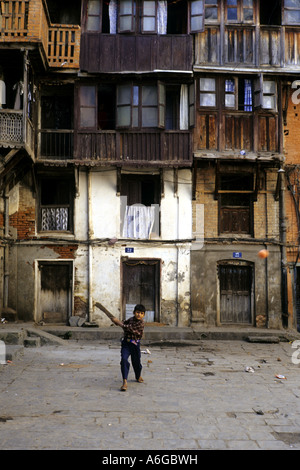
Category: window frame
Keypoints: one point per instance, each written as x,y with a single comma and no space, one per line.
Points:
213,5
245,194
144,15
90,15
132,189
82,106
137,16
259,94
202,92
240,13
286,10
63,180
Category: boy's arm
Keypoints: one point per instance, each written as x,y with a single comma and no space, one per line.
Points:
117,322
109,315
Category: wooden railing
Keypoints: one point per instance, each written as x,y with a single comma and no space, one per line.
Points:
271,46
237,131
56,144
28,21
140,147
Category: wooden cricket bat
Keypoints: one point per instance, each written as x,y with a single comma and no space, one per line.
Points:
101,307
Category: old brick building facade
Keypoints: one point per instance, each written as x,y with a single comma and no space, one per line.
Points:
148,153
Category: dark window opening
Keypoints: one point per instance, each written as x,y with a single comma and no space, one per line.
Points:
105,18
57,108
172,107
141,189
106,108
177,17
270,12
66,12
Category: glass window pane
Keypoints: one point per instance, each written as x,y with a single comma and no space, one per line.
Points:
87,117
87,96
149,8
232,2
197,7
229,101
207,84
135,96
126,7
196,23
248,3
207,99
124,94
149,24
149,117
292,17
93,23
232,14
94,7
269,86
123,116
149,96
211,13
248,14
125,23
135,117
269,102
292,3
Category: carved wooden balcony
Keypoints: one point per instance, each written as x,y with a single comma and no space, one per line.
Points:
27,21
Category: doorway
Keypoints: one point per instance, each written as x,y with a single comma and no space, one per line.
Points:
55,291
235,293
141,285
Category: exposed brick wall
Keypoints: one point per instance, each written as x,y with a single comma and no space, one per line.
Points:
292,157
266,209
64,251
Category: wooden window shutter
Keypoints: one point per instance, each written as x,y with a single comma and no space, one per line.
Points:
161,97
197,16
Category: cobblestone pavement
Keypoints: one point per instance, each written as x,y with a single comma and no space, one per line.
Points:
194,397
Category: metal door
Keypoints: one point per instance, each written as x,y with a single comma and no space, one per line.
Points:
235,292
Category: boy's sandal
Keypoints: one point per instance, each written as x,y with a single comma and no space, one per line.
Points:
123,388
140,380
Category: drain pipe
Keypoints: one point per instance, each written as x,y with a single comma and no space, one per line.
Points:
6,247
285,319
90,234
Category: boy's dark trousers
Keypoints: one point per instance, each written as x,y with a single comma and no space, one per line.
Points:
133,350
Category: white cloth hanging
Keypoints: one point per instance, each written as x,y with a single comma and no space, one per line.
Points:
112,16
138,221
162,15
184,108
2,93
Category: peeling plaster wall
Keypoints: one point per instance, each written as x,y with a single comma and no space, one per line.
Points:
175,261
98,276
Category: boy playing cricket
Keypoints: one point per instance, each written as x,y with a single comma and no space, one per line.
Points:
130,346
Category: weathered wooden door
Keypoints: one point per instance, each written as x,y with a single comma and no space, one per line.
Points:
235,293
141,286
55,292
